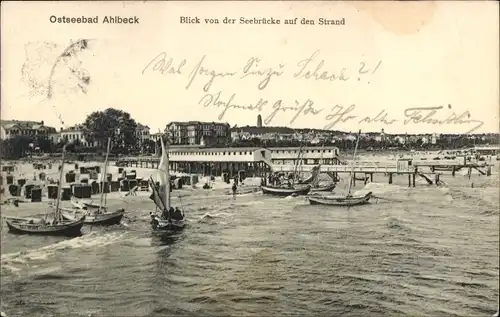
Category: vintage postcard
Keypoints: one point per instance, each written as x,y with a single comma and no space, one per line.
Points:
239,158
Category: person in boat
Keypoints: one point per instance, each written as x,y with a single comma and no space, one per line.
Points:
177,214
154,222
164,214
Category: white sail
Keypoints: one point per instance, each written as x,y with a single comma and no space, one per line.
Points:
164,175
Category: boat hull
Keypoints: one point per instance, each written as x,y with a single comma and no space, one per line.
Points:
165,225
67,228
283,192
102,219
328,188
339,201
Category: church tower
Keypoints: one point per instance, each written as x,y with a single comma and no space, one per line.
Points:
259,121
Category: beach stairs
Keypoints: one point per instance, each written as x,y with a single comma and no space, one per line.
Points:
480,171
267,161
429,181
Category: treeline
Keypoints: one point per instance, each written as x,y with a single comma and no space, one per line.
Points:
111,123
120,127
370,144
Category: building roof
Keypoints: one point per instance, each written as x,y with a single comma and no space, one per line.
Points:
75,128
25,125
196,122
214,150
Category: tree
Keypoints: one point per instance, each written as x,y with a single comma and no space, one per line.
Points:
111,123
148,146
15,147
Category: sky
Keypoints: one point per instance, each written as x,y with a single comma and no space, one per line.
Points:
384,61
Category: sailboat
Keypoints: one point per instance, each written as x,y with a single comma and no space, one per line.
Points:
314,181
169,218
346,200
96,214
289,188
39,226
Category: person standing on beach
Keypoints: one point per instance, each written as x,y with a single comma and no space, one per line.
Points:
234,188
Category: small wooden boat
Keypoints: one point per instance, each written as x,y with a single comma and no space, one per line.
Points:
327,188
339,200
91,205
70,228
167,224
344,200
57,226
95,217
83,205
286,191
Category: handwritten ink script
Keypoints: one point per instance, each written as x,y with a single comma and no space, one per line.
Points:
338,114
312,68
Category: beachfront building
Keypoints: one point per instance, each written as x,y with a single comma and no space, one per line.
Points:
253,160
75,134
197,132
12,128
156,136
142,133
308,155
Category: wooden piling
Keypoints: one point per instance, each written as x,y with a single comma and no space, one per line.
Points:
390,178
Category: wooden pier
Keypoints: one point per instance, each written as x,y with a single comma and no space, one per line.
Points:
411,168
260,162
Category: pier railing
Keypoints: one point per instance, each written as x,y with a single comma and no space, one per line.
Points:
379,167
338,168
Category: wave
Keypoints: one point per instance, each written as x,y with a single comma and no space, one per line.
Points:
87,241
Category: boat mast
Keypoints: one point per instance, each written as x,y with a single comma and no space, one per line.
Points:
353,161
167,172
59,186
104,175
296,165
